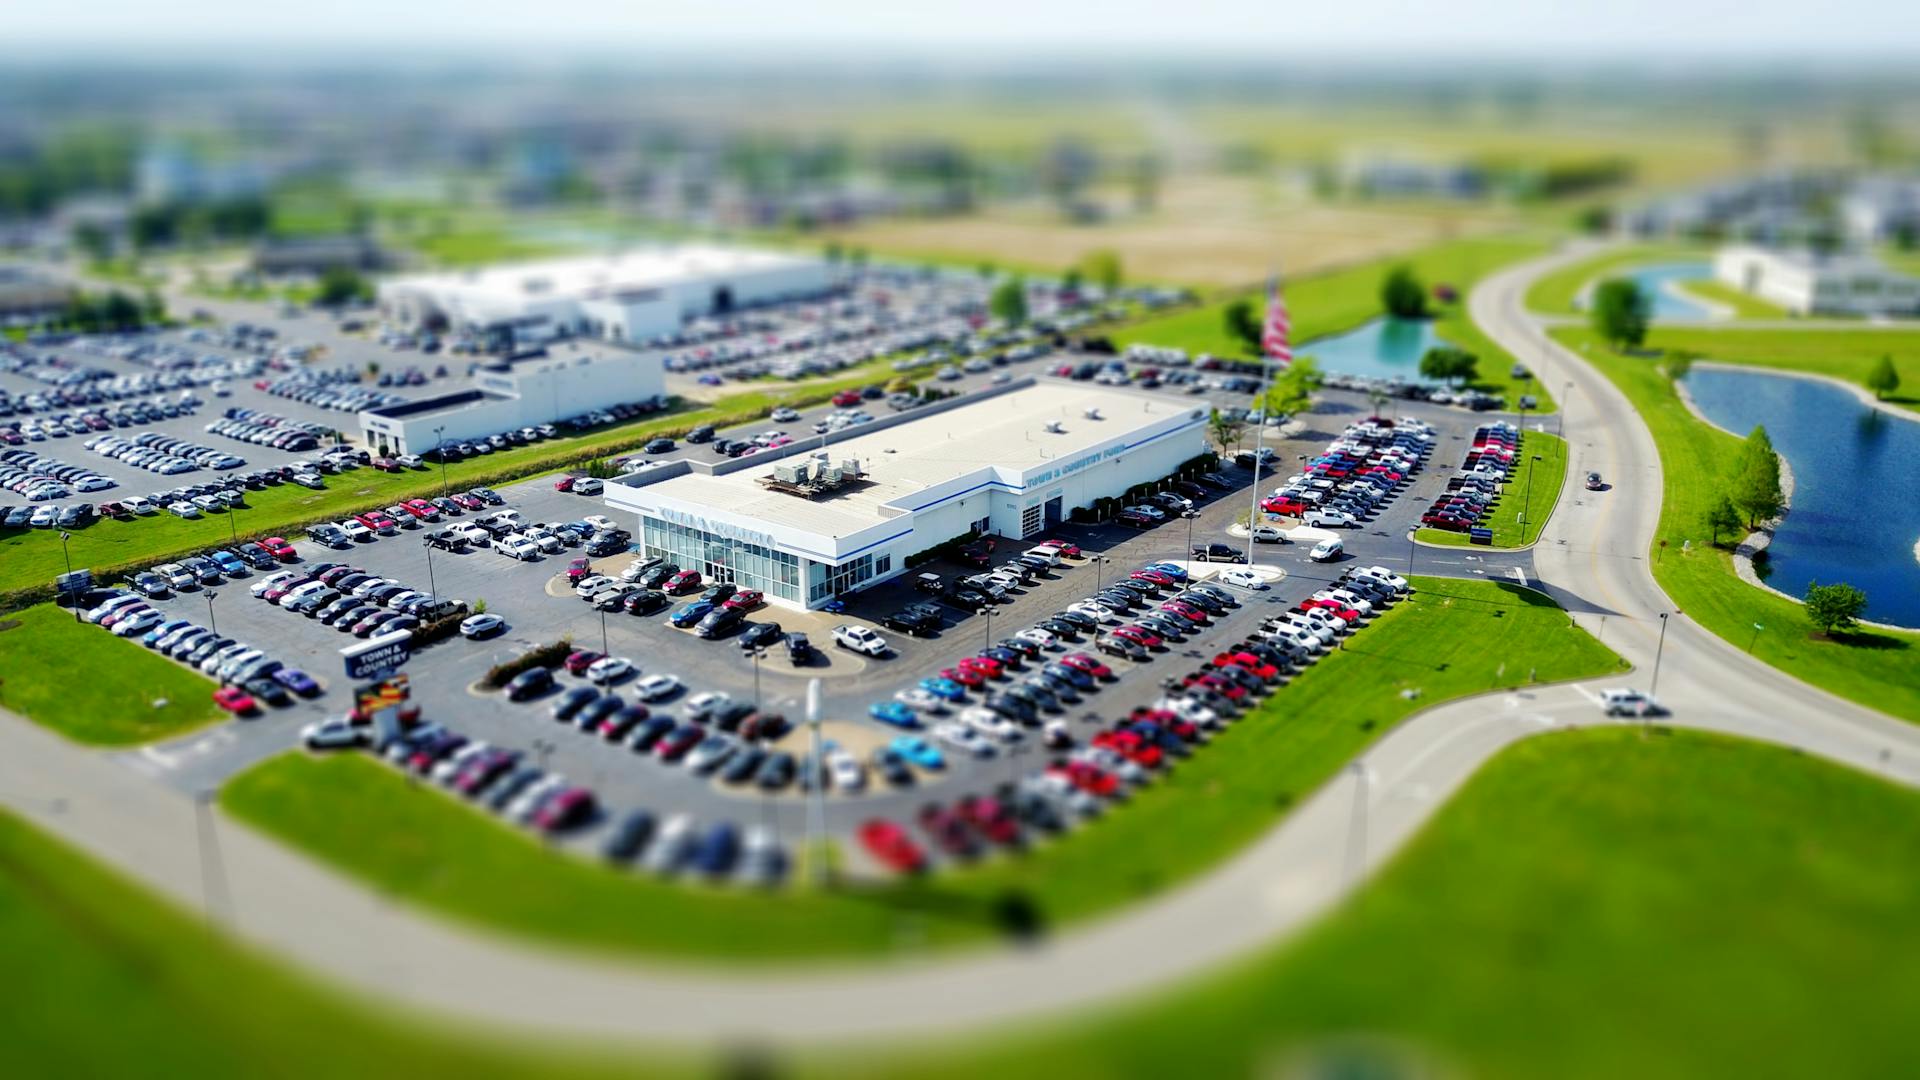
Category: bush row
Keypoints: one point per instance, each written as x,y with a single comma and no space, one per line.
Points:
545,656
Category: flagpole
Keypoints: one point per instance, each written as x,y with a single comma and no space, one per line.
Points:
1260,435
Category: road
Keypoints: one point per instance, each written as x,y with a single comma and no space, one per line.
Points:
1591,556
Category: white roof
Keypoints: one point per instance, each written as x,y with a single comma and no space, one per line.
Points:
1007,431
588,276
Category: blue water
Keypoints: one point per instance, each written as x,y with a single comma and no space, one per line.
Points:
1381,349
1855,517
1666,305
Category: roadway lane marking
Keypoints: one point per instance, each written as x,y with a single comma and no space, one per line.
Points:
1519,575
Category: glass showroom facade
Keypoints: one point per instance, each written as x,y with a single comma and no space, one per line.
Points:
721,558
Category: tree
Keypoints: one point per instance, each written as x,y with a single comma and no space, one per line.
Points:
1679,363
1292,389
152,308
1070,281
834,252
1225,429
1621,310
1722,517
1756,481
1240,324
1834,607
92,238
1449,363
1402,294
120,312
341,285
1009,301
1103,269
986,271
1883,380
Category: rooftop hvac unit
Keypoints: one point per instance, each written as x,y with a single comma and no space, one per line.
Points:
850,468
790,474
1053,426
1093,414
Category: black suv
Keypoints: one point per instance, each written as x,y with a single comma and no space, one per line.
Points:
1219,553
915,623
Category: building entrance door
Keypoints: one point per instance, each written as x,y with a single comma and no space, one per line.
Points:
1053,511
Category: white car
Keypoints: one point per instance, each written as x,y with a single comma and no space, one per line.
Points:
1348,597
139,505
1332,519
992,725
1039,637
137,624
847,772
1267,534
272,581
1096,612
1385,577
474,626
610,669
655,687
961,737
783,415
333,732
588,486
1327,551
355,530
706,700
591,584
473,534
860,639
1619,701
183,509
600,522
913,697
1243,578
514,546
1152,513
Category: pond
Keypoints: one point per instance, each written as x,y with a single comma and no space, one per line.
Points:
1381,349
1855,515
1667,303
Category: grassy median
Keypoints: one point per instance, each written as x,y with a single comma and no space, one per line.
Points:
1558,293
1536,496
1845,353
1877,668
1743,304
1453,639
93,687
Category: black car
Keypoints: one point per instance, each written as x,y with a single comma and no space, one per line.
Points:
1165,625
528,683
717,592
644,602
760,634
967,599
777,773
1206,602
1076,619
799,649
1004,656
743,765
1121,647
661,445
602,546
443,540
892,767
267,690
911,622
1020,645
1124,599
730,716
701,434
719,621
657,576
629,837
1218,553
1059,628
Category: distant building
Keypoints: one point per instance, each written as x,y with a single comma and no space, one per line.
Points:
511,394
632,297
28,293
172,174
1808,284
317,254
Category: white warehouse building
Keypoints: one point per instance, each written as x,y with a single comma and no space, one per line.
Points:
1015,464
511,394
634,296
1807,284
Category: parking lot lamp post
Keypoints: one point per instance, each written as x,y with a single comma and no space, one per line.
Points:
1099,571
816,802
211,625
1527,503
65,554
1191,514
605,649
755,655
1659,649
987,610
432,587
232,529
440,451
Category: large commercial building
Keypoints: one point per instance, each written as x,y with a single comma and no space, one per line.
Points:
632,297
1808,284
841,513
511,394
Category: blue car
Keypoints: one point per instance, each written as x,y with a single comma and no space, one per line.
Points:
154,635
892,712
1172,570
691,613
297,681
229,563
918,751
943,688
834,606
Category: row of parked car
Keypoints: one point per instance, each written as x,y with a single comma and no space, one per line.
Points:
270,430
1474,489
248,676
353,601
40,478
1356,476
86,421
332,389
167,455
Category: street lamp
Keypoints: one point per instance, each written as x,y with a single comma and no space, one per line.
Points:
64,537
1654,689
988,612
440,451
756,654
1527,503
1191,514
605,649
432,587
1099,570
211,625
1566,399
232,529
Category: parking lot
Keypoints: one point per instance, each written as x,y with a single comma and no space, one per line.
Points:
538,607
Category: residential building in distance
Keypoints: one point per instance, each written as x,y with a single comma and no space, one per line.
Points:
1806,283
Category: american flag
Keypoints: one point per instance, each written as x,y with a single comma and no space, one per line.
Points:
1276,335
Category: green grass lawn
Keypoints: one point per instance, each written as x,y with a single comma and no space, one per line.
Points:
1878,669
1535,496
1340,300
1593,905
1744,305
82,681
1453,638
1556,293
480,245
1844,354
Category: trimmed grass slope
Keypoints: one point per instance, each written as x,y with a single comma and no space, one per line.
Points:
93,687
1537,496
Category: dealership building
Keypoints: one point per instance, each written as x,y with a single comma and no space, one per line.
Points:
634,296
510,394
844,511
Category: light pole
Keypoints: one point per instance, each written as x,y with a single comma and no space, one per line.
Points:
1099,571
232,529
755,655
816,803
605,649
440,451
1527,503
1566,400
1755,639
64,537
211,625
1191,514
988,612
1658,650
1411,547
432,587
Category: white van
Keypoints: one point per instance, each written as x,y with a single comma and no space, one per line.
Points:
1327,551
139,504
1045,551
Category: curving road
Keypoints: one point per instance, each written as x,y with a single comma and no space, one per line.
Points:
1591,557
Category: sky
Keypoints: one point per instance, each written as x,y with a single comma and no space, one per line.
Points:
1522,29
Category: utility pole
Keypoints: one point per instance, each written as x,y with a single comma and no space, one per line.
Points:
605,649
816,803
211,625
1658,651
440,451
64,554
1527,504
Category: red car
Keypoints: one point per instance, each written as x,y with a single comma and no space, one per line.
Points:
1131,746
1071,551
1246,661
745,600
235,700
985,665
579,661
386,464
684,581
377,521
564,810
1232,690
948,831
675,746
1336,608
1284,507
1184,610
892,847
468,502
968,677
846,397
565,483
421,509
989,817
1080,661
1087,777
1154,578
1167,720
279,548
578,569
1139,635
